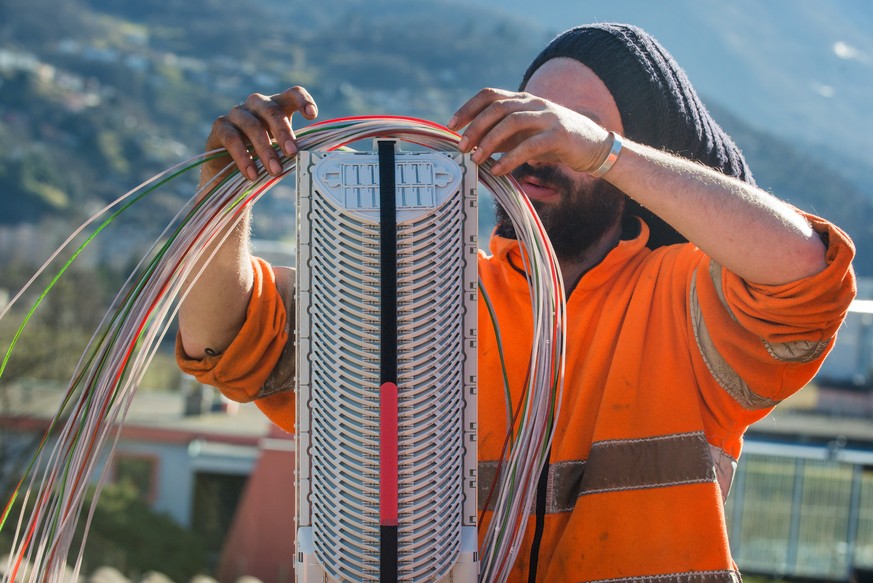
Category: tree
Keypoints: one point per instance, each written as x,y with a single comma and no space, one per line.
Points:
130,536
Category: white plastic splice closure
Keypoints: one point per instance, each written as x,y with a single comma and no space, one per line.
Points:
423,182
338,366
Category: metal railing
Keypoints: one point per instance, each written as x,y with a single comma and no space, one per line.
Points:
802,511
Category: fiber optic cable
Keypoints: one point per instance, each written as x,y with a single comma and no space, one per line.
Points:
104,383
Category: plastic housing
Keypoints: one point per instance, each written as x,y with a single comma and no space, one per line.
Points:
338,366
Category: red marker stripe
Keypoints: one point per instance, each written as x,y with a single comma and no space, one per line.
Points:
388,454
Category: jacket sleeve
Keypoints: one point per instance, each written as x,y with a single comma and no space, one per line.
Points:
259,363
762,343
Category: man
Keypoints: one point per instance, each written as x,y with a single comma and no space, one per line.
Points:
673,349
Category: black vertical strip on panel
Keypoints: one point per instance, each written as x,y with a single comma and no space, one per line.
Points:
388,251
388,543
388,554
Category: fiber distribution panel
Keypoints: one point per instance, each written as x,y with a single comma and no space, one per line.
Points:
386,365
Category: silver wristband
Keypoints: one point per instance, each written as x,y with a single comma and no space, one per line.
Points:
610,158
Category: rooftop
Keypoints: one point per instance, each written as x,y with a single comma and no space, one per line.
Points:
210,416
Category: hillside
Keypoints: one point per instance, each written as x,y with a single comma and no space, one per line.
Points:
99,95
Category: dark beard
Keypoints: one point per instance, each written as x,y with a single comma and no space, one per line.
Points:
579,220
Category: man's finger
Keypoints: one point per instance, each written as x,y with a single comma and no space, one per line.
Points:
225,134
493,115
474,106
535,147
257,134
297,99
277,113
512,126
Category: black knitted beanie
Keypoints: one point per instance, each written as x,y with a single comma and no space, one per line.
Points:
657,103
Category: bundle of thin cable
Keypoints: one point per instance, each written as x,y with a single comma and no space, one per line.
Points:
97,399
528,446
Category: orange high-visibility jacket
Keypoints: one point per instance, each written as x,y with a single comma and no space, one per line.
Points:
670,358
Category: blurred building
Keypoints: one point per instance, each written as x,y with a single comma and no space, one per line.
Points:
216,467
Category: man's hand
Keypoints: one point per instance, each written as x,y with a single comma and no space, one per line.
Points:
214,308
526,128
256,123
745,229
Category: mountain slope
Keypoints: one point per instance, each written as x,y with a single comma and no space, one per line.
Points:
98,95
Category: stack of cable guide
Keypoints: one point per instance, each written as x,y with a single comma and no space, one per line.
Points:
386,365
